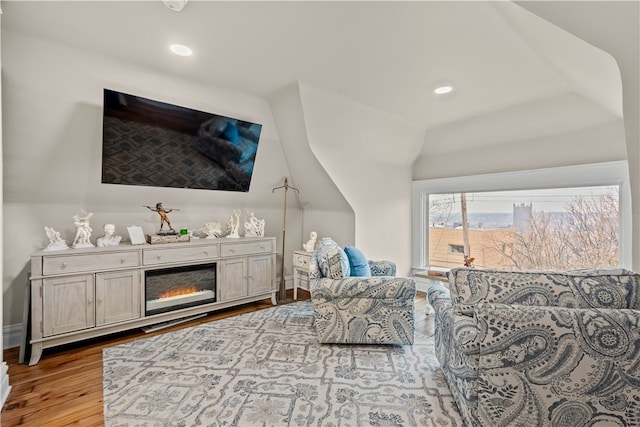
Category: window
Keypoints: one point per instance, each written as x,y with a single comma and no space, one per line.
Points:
453,249
544,229
560,218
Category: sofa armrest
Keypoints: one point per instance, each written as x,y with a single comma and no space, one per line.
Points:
381,287
463,330
560,363
382,268
439,296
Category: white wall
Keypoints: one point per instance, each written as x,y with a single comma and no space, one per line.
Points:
52,118
4,378
325,210
602,143
368,155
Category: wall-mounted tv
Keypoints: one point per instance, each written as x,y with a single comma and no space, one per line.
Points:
152,143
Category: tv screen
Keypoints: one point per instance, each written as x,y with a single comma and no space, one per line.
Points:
152,143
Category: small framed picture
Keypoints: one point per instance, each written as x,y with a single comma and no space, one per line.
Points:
136,235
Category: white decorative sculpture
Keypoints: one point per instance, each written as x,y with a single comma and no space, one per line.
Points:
56,242
83,233
234,225
109,238
253,227
212,230
310,246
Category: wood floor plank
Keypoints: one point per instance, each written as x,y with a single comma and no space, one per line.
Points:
65,388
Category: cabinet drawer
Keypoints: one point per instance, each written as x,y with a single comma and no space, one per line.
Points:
78,263
160,256
233,249
301,260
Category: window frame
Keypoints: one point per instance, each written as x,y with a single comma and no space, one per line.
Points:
594,174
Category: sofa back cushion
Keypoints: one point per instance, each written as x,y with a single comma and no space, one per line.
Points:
615,288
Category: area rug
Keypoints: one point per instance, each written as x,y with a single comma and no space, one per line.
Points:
267,368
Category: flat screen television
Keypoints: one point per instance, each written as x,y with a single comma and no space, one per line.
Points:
152,143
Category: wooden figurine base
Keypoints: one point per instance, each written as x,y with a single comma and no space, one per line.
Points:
169,238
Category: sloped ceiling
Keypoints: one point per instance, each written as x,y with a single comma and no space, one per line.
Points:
506,64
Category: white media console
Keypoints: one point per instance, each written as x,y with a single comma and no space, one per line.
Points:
76,294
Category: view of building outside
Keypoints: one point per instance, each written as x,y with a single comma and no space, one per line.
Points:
547,229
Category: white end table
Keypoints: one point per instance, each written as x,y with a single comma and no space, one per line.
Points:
300,271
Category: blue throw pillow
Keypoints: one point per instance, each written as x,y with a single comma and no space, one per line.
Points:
358,262
231,133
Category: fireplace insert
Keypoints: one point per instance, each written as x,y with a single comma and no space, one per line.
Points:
169,289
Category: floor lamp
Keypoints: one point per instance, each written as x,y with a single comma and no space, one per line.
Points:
282,291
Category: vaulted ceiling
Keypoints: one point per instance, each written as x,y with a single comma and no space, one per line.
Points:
513,73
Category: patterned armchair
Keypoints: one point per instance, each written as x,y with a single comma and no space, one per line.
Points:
541,348
359,310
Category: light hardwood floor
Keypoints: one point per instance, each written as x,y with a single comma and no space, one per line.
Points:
65,388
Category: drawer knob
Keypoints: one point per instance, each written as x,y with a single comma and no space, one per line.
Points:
206,253
159,257
122,260
64,265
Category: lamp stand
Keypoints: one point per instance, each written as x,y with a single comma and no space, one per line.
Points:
282,291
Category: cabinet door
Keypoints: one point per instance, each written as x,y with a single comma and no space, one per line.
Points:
233,279
117,296
261,274
68,304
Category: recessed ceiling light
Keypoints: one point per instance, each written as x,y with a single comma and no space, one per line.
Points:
181,50
442,90
175,5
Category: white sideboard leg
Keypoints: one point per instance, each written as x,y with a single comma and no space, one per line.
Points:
36,353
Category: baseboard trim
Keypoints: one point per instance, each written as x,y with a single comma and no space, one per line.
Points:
12,336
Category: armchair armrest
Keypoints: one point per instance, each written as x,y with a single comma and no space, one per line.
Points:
557,362
382,268
461,329
439,296
357,310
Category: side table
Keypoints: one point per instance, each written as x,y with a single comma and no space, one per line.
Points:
300,271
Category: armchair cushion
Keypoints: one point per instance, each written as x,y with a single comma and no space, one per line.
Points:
358,262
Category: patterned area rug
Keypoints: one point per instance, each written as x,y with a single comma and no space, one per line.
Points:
268,369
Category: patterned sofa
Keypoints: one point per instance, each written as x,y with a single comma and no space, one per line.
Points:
541,348
359,310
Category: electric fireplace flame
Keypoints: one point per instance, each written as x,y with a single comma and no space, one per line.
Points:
178,292
179,297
